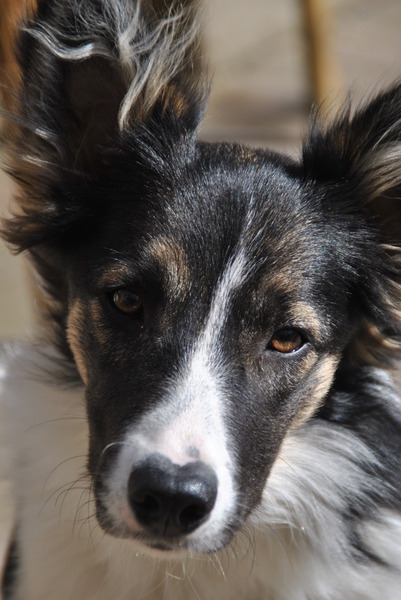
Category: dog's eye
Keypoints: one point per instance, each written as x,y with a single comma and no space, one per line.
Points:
127,302
286,340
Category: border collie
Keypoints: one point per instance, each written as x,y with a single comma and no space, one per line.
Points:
208,411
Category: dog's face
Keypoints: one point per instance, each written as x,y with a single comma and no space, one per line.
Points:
209,296
206,317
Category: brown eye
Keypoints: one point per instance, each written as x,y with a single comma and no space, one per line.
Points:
286,340
127,302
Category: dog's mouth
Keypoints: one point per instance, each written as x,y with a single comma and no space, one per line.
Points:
174,546
162,546
201,542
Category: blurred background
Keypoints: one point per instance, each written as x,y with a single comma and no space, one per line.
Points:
263,88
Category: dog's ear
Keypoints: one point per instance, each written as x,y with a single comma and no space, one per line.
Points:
360,152
356,163
92,74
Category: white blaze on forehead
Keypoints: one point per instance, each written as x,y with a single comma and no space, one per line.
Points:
232,278
191,413
194,400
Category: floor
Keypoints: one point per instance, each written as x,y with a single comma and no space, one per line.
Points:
260,96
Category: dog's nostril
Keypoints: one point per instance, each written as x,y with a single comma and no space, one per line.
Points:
193,514
169,499
146,503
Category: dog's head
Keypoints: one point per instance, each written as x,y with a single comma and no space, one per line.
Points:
208,295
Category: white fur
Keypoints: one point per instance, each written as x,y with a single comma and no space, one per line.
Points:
384,535
294,548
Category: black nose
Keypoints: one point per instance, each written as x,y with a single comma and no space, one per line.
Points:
169,499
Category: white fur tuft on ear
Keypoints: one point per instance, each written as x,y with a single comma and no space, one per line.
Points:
381,168
149,52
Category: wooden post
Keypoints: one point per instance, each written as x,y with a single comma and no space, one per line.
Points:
324,69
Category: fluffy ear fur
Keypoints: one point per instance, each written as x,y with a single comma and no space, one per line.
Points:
357,159
93,73
364,150
97,77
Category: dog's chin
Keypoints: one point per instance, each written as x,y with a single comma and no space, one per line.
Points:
172,549
177,548
168,547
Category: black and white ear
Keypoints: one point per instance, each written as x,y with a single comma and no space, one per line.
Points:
356,160
362,152
92,72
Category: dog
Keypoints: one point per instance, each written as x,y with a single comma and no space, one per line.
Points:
208,410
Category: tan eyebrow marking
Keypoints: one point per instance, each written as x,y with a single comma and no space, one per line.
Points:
168,255
302,314
171,257
116,275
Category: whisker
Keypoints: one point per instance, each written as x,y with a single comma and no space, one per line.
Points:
60,490
114,444
79,507
60,464
55,421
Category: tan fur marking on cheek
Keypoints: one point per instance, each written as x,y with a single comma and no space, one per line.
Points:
98,323
76,320
317,391
174,262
